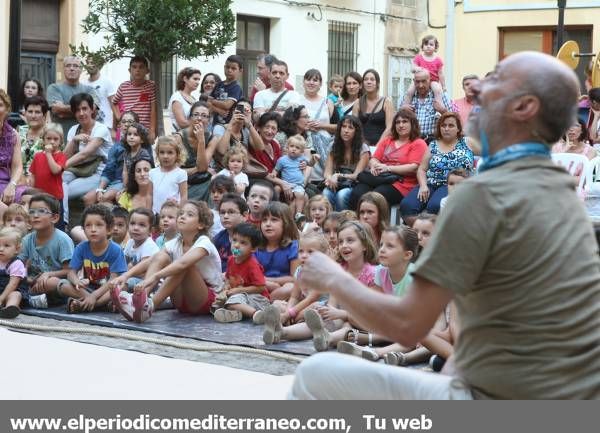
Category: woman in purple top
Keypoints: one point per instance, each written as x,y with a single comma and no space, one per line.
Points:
11,166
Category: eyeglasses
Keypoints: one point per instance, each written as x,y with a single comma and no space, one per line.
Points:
201,115
39,211
305,116
72,66
127,122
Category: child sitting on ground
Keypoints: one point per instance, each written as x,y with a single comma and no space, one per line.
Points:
218,186
12,273
168,223
140,247
292,311
232,211
46,252
236,159
329,324
374,211
17,217
188,266
279,254
330,229
433,64
317,209
288,167
95,262
260,194
424,225
245,279
399,245
454,178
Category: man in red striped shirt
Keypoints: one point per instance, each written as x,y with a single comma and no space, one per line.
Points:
138,95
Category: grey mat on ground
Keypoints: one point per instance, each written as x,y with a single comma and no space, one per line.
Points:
175,324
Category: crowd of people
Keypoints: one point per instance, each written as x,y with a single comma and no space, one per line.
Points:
235,212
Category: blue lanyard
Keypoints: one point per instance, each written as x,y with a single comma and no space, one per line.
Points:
514,152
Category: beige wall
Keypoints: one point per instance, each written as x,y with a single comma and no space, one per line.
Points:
476,36
4,24
72,12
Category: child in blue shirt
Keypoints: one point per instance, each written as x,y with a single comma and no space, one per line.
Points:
288,167
46,252
94,264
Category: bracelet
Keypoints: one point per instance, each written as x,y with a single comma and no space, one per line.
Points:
13,183
100,190
292,312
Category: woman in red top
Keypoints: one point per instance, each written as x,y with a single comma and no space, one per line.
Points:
266,150
400,153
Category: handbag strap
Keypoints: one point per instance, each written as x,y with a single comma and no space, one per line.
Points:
277,101
320,109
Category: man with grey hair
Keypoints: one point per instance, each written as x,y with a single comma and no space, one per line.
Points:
514,249
59,94
425,105
467,102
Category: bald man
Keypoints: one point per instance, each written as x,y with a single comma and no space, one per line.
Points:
514,248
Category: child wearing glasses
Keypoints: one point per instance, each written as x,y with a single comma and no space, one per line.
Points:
46,252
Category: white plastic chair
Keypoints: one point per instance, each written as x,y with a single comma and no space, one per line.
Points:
576,165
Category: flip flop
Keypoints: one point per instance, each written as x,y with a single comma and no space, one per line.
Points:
10,312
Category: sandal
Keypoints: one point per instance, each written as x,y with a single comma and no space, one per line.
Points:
223,315
354,349
73,306
272,321
320,334
395,358
9,312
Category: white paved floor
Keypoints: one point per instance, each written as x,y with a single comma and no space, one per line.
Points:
41,366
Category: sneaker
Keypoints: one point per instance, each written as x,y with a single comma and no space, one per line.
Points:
123,302
223,315
395,358
436,362
143,307
258,318
320,334
273,329
38,301
354,349
9,312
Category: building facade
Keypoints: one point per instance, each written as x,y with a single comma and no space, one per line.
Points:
475,34
333,36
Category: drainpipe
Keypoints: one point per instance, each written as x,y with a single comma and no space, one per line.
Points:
449,56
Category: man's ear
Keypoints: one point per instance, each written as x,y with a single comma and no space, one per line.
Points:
525,108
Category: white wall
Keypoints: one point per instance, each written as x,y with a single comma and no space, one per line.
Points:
295,38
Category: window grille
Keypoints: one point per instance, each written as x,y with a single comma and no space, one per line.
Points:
342,46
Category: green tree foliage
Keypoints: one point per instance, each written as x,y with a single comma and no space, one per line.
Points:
158,30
